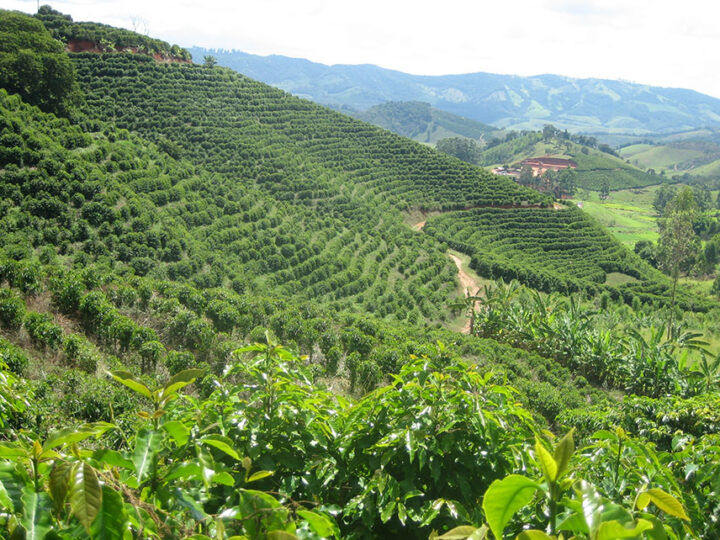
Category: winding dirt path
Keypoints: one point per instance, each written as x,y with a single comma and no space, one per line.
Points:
466,282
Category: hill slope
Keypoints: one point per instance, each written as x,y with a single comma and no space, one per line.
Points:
594,167
422,122
506,101
321,162
694,157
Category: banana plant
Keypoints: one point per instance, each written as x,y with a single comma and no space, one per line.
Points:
707,373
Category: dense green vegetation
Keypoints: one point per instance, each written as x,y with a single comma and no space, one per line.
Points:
127,203
423,123
185,211
33,64
550,250
236,126
464,149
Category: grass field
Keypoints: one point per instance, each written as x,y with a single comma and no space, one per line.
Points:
660,158
628,213
709,169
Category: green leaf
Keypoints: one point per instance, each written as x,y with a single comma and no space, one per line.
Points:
113,458
533,534
223,478
547,462
575,522
85,494
126,378
458,533
505,497
59,484
258,476
592,506
13,485
11,450
147,444
401,513
643,499
5,500
180,380
281,535
387,511
220,443
320,524
178,431
658,530
563,452
667,503
186,501
612,530
268,499
111,521
413,493
480,534
36,514
187,470
74,435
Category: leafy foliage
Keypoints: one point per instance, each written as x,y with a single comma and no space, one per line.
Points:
133,272
33,64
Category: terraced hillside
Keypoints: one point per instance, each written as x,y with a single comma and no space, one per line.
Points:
550,250
124,200
249,130
348,179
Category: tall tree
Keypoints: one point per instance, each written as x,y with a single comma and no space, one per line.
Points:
678,246
662,197
604,189
34,65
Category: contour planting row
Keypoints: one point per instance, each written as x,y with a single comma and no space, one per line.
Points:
546,249
238,126
111,196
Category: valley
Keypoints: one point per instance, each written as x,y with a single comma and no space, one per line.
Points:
230,312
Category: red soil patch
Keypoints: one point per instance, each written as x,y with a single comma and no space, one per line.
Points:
84,45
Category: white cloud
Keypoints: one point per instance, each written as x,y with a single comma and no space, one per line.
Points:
658,42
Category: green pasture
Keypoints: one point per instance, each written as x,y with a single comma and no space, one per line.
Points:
659,158
628,214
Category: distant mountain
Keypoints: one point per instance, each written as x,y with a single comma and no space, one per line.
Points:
506,101
422,122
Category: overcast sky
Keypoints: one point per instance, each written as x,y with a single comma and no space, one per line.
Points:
658,42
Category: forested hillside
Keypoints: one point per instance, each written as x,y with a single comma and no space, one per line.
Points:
423,123
216,322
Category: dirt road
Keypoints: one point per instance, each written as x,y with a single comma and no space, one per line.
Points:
466,282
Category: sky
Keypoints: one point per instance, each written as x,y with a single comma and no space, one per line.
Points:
656,42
